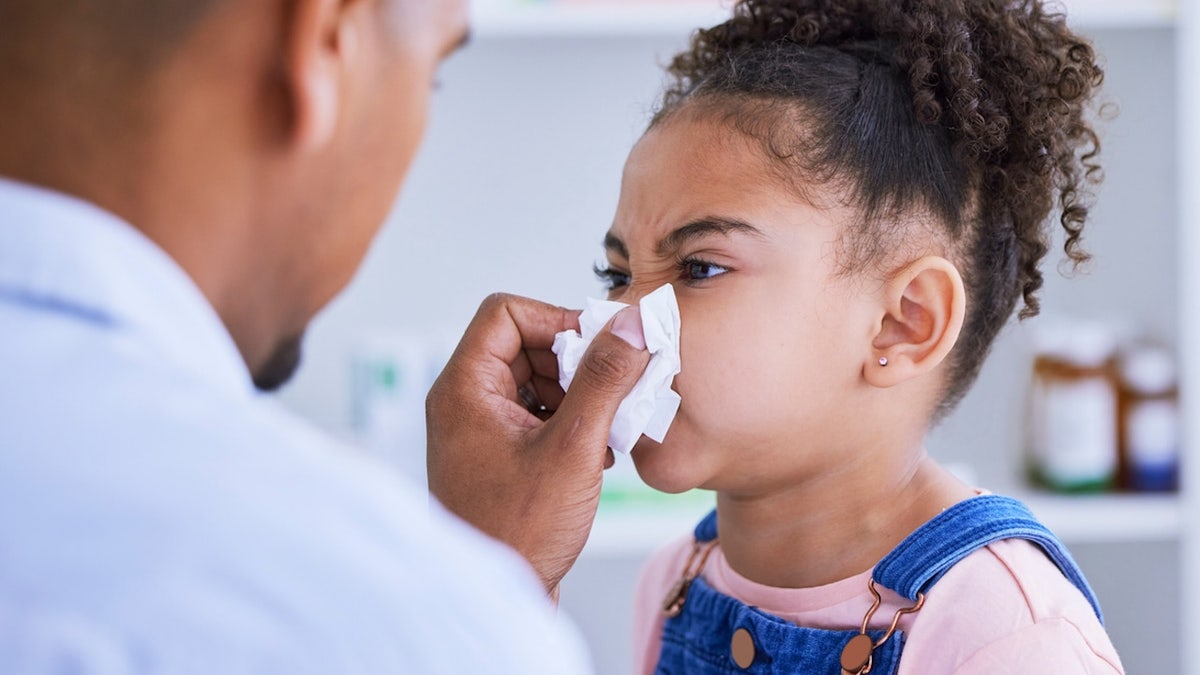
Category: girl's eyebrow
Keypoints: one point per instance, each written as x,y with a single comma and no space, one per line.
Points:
613,243
702,228
696,229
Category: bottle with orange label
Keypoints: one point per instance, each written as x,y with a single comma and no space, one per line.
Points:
1150,424
1073,420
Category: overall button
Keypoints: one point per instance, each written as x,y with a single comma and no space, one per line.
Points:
856,655
742,647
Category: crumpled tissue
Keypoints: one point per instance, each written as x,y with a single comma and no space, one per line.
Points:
650,408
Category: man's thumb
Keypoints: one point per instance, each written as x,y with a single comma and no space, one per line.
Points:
613,363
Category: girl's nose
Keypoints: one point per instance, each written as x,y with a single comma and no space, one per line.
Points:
634,293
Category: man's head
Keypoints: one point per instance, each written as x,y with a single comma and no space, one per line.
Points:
261,143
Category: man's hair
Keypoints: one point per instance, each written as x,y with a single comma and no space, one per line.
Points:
47,38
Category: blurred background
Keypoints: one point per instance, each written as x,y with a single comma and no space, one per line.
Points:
1076,412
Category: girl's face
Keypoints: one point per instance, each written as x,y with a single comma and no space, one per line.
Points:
774,339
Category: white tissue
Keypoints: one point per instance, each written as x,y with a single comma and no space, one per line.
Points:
650,408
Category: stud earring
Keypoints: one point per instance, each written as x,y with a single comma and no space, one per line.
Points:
883,361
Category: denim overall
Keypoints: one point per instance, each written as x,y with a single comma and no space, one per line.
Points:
702,635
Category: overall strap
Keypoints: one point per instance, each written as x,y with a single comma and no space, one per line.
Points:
928,553
706,530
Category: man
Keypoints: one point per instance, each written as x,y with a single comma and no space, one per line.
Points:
183,185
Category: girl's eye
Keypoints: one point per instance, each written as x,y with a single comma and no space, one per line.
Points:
698,270
612,279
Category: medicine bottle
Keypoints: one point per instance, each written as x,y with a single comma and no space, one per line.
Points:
1073,432
1150,423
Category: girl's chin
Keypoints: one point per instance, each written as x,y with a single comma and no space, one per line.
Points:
664,468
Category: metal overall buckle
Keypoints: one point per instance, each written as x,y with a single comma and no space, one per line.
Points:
673,603
858,654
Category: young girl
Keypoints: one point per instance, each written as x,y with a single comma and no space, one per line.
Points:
851,198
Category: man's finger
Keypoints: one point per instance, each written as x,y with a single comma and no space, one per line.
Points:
544,362
535,363
505,325
550,394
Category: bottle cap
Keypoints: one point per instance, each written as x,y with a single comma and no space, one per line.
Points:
1085,344
1149,370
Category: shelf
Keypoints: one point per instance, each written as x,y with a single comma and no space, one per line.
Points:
529,20
526,18
1122,13
1090,519
1108,518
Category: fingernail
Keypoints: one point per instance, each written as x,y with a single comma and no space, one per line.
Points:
628,326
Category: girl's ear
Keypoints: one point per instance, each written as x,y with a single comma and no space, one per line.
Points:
924,305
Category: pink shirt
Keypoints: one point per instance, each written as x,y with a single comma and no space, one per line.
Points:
1005,609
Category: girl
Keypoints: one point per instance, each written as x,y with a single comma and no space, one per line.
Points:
851,197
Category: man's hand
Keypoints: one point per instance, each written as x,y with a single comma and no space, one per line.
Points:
507,451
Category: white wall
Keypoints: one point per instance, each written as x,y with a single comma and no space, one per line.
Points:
517,184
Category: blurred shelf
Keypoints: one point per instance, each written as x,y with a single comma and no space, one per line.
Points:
595,19
1083,519
1122,13
525,18
1119,518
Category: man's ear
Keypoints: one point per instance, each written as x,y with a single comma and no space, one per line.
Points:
924,305
319,37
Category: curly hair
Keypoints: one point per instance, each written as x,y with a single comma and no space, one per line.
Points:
972,112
